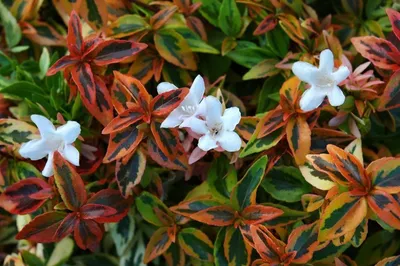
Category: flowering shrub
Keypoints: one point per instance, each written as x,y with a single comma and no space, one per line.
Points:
199,132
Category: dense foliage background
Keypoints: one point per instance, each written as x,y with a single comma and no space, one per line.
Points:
314,187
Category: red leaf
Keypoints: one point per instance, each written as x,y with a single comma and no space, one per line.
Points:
123,143
272,121
380,52
390,97
88,234
83,77
167,139
102,110
20,198
386,207
123,120
129,89
180,162
166,102
394,17
94,211
267,245
349,166
42,228
74,38
61,64
69,183
114,51
267,24
218,215
255,214
158,244
111,198
66,227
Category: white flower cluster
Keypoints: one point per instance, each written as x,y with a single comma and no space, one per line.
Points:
204,119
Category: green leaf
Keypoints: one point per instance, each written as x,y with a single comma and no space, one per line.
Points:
219,256
25,170
95,259
209,9
61,253
174,48
135,252
196,244
329,252
153,210
244,193
31,259
237,251
270,86
195,42
18,49
10,26
255,145
265,68
286,183
123,233
380,245
229,19
44,62
127,25
248,54
221,178
289,216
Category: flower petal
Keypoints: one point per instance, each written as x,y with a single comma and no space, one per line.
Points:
230,141
197,89
214,111
44,125
341,74
196,155
165,87
231,118
336,96
311,99
48,168
207,143
34,150
305,71
198,126
71,154
70,131
326,63
173,119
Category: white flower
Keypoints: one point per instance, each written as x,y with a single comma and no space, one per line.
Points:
52,139
323,81
165,87
189,107
217,131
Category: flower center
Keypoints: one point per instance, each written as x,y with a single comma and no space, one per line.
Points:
188,109
325,81
214,130
55,142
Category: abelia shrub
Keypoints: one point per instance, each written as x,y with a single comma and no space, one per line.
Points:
204,132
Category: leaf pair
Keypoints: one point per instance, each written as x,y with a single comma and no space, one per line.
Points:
301,244
26,196
86,215
238,214
137,109
384,55
369,188
192,241
87,55
287,120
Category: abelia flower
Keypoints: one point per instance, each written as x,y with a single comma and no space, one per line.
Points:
51,140
217,130
323,81
189,107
